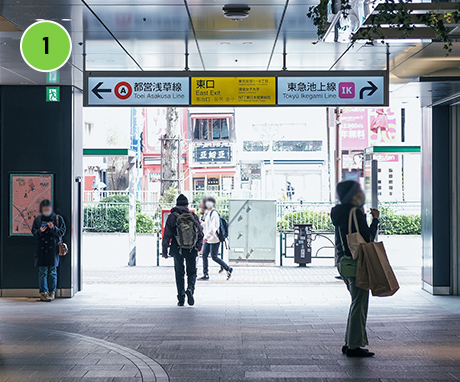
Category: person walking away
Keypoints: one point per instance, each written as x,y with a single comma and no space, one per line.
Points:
48,228
352,196
183,236
212,241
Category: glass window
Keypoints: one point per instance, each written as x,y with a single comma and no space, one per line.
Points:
211,129
297,145
204,129
255,146
216,129
224,129
196,130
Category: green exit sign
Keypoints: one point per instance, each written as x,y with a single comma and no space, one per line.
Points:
52,94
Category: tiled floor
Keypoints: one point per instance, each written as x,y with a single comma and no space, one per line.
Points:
268,324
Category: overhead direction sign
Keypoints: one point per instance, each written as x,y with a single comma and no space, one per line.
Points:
265,88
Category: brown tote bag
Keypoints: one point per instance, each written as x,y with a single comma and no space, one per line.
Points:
382,280
362,274
354,239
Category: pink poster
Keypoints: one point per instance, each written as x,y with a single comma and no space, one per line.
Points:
355,128
382,127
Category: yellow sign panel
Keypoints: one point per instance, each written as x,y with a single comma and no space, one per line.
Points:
233,90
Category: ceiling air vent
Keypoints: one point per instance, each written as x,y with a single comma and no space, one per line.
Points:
236,12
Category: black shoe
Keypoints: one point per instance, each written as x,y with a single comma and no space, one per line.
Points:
359,353
180,303
344,349
221,270
204,278
229,273
190,299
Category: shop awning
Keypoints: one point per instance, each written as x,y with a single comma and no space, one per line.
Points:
392,150
213,171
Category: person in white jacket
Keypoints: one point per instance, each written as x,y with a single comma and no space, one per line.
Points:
211,240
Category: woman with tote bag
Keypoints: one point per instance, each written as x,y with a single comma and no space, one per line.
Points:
351,197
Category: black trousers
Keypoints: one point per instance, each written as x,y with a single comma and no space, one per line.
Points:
189,257
214,250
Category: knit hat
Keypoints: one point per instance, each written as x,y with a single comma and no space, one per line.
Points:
346,190
182,200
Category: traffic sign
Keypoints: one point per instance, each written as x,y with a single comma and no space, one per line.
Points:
326,88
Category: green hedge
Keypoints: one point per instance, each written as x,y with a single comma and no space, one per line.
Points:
395,224
321,220
390,222
104,217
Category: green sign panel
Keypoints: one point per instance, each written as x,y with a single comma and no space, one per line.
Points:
52,94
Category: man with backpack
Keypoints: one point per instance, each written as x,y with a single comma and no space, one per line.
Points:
183,236
215,232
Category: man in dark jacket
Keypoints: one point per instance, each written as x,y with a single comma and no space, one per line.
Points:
181,254
352,196
48,228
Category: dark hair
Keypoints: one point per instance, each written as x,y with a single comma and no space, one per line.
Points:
211,199
45,203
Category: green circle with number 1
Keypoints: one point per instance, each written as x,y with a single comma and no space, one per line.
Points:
46,46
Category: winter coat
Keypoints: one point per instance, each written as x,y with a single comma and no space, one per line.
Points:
211,226
47,250
169,236
339,216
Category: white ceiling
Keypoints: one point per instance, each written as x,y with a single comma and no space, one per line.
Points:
154,35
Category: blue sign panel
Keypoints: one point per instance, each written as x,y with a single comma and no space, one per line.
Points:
138,91
334,90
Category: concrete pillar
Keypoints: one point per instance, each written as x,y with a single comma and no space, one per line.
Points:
39,136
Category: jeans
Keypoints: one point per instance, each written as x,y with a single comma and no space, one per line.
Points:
214,249
190,266
356,335
47,279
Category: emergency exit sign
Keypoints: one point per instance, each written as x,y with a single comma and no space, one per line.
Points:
53,94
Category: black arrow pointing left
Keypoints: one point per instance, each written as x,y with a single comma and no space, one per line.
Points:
96,90
372,89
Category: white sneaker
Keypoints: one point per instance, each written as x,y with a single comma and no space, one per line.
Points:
45,297
52,296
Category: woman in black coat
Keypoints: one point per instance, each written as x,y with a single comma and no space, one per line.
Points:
48,228
352,196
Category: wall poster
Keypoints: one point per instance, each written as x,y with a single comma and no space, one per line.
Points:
26,193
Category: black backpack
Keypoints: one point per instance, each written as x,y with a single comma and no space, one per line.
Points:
186,230
222,232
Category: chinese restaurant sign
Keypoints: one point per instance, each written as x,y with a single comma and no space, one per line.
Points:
336,88
213,154
233,91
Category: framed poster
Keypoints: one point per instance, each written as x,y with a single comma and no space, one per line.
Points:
26,193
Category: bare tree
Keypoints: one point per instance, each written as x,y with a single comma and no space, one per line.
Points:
169,158
117,167
117,171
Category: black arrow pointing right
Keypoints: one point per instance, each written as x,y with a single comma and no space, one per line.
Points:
96,90
372,89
